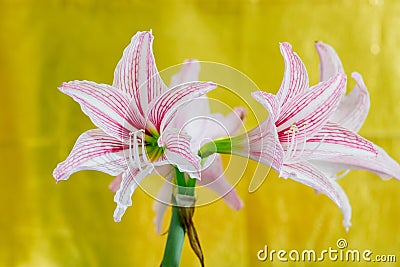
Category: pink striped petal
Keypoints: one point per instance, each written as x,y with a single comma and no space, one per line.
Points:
218,125
309,111
232,122
329,169
270,103
131,179
197,107
295,79
162,203
164,196
264,145
213,177
353,108
260,144
189,73
187,116
334,140
178,152
307,174
381,164
94,150
116,183
108,108
268,128
136,73
330,62
165,107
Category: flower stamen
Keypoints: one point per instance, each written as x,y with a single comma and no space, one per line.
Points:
292,153
134,156
294,128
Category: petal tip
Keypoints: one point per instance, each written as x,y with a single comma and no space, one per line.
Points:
190,60
239,205
63,86
256,94
286,45
118,213
358,78
240,112
346,224
213,85
59,175
259,96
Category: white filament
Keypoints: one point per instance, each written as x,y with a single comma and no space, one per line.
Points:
292,153
134,156
342,175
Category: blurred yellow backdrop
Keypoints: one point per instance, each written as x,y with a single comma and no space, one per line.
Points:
43,43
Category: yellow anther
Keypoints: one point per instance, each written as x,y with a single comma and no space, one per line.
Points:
294,128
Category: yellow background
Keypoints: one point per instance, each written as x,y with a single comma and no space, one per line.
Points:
43,43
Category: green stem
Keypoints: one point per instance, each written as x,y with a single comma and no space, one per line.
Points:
191,184
221,146
180,181
176,236
176,232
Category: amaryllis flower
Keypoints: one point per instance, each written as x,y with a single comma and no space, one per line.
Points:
299,113
317,145
133,116
194,118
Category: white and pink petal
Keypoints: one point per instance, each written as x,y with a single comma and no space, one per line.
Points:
381,164
189,72
178,152
333,140
219,125
131,179
116,183
309,111
164,108
307,174
108,108
270,103
163,201
94,150
136,73
229,125
295,79
330,62
213,177
260,144
353,108
192,116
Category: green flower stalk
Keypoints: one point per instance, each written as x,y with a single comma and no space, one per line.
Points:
181,222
